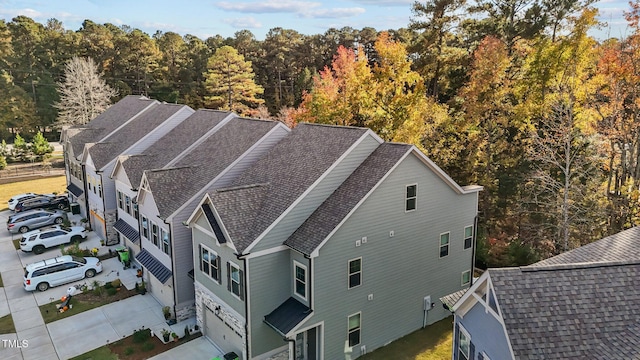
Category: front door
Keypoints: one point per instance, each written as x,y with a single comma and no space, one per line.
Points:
307,345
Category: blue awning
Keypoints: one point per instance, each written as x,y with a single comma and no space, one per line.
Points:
127,230
286,316
75,190
154,266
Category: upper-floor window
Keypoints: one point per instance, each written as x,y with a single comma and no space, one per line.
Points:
210,263
166,242
100,190
235,280
300,279
353,331
135,211
468,237
145,227
411,197
120,200
466,277
127,204
355,272
444,244
154,233
464,344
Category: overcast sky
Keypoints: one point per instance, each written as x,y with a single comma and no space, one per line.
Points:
205,18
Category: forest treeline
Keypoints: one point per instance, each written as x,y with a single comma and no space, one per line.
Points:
513,95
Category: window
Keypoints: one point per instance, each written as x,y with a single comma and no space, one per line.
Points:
444,244
355,272
411,198
468,237
354,330
235,280
210,263
127,204
145,227
154,233
300,279
466,277
120,200
166,243
135,211
100,190
464,341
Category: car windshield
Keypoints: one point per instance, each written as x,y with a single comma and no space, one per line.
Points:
81,260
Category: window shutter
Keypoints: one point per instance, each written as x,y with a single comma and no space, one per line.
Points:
228,276
456,339
241,285
472,350
219,270
200,255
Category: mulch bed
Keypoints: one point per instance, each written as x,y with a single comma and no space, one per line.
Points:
129,349
90,296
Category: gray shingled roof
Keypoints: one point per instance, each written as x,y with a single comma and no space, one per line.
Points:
102,153
289,168
452,299
172,144
112,118
622,246
207,161
328,215
588,311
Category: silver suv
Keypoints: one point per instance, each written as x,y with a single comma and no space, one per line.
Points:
39,240
30,220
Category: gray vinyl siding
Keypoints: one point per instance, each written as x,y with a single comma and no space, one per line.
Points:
399,271
319,194
487,333
269,280
182,252
226,254
108,187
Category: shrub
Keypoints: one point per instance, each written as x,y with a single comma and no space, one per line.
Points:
148,346
75,250
129,351
108,286
3,162
140,336
112,291
116,283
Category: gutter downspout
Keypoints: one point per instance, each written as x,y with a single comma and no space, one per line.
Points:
311,301
173,267
473,249
86,194
246,304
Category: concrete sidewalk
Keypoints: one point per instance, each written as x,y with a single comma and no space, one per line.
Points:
198,349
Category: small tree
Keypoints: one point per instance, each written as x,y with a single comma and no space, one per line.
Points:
83,94
3,162
21,150
40,147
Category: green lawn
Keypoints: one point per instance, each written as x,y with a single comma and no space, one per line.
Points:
101,353
6,325
16,242
43,186
431,343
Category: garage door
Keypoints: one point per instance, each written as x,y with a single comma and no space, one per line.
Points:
222,334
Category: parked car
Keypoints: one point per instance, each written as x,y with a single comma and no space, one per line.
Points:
43,202
44,274
39,240
21,197
34,219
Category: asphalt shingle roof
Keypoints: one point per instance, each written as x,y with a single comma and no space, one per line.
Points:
289,169
172,144
102,153
622,246
112,118
205,162
333,210
286,316
571,311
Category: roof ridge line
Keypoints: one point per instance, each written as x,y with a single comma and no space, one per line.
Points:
582,265
240,187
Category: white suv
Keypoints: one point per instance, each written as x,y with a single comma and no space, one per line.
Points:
39,240
61,270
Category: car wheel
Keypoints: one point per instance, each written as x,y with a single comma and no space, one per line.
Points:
61,206
23,229
76,238
38,249
58,220
90,273
43,286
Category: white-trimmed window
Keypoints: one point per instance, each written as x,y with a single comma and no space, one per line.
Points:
120,200
135,210
353,329
355,272
166,242
468,237
127,204
100,190
210,263
466,277
411,198
444,244
300,280
464,344
235,280
154,233
145,227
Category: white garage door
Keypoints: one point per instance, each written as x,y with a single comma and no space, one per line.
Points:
222,334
